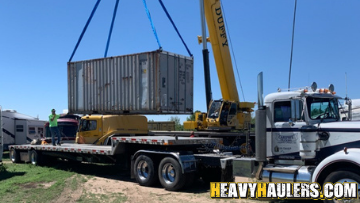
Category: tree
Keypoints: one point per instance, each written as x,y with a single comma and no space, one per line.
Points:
151,120
192,116
178,126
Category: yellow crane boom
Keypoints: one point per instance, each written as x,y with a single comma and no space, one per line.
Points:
228,113
220,47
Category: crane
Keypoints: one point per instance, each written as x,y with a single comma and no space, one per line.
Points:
228,113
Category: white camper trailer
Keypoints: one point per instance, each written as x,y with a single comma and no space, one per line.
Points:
19,128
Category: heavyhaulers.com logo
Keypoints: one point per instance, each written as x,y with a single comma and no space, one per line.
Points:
262,190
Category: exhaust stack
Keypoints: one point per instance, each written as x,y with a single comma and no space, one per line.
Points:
260,124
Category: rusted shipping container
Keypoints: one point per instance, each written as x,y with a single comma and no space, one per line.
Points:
156,82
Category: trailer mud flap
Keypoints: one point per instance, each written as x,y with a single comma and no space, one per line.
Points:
132,175
227,169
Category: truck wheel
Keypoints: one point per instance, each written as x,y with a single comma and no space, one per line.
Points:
144,171
14,156
341,177
35,158
170,174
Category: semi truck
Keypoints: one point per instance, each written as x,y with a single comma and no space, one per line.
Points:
68,126
300,137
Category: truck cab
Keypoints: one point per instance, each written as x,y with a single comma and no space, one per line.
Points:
300,137
299,124
96,129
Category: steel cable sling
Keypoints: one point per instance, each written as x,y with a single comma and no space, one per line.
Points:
84,29
172,22
87,24
152,24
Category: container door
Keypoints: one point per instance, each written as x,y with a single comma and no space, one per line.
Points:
20,131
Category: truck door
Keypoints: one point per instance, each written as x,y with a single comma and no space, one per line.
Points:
88,131
286,129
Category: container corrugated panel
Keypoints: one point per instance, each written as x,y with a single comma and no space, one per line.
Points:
156,82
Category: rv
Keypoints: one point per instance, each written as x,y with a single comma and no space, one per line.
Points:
18,128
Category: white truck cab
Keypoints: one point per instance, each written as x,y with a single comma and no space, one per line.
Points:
300,137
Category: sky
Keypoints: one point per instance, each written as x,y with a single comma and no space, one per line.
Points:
37,38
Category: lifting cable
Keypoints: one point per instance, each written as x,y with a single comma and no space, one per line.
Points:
292,44
84,29
172,22
111,27
232,50
152,24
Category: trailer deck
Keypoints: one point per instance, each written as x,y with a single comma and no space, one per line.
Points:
109,150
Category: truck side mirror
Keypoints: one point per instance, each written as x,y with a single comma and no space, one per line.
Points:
296,110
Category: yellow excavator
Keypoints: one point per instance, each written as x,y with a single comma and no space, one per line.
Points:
228,113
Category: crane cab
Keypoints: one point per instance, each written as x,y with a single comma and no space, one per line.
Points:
229,115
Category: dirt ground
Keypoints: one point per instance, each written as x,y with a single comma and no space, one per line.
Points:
198,192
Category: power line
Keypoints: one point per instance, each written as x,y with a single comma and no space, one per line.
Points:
292,44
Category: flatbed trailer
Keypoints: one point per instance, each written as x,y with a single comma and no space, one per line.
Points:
235,142
174,161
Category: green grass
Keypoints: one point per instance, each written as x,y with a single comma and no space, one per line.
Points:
28,183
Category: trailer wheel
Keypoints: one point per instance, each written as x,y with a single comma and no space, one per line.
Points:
144,171
35,158
14,156
170,174
341,177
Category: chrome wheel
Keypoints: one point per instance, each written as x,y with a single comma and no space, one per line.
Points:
14,156
142,170
168,173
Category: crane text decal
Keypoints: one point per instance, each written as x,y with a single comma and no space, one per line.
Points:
262,190
220,20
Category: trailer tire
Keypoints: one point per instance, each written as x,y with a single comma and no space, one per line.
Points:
170,174
144,171
14,156
35,158
342,176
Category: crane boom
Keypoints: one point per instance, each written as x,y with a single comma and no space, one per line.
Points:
228,113
220,47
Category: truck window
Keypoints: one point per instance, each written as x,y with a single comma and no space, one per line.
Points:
282,111
88,125
323,108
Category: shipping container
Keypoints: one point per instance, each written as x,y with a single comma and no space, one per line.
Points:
162,125
156,82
